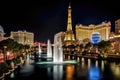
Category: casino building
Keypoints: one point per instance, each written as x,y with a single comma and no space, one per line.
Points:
84,32
23,37
117,26
1,33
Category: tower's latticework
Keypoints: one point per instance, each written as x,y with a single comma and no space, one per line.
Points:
69,35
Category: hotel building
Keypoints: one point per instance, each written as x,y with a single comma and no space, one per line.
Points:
117,26
23,37
1,33
84,32
115,37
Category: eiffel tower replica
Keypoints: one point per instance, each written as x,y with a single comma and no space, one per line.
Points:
69,35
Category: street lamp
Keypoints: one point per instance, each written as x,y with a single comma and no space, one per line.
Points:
5,57
8,53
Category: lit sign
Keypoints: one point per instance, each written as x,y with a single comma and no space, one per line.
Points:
95,37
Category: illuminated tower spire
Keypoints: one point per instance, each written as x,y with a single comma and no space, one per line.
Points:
69,35
69,23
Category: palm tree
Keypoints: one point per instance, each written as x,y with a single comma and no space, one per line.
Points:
104,46
11,46
81,48
88,47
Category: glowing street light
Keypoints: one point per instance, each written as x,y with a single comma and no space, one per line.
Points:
8,53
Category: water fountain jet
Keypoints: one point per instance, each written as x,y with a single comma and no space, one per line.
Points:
57,53
39,50
49,50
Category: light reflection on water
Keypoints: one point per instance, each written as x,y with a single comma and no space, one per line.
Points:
96,63
70,69
102,65
26,68
86,69
94,73
57,72
82,62
12,75
89,63
115,67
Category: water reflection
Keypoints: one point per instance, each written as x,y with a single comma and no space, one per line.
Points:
115,69
70,69
89,63
83,62
58,72
96,63
12,75
27,68
86,69
49,71
94,73
102,65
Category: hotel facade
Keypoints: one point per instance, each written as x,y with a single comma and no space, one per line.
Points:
115,37
117,26
23,37
1,33
84,32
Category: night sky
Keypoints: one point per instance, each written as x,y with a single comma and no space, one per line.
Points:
46,18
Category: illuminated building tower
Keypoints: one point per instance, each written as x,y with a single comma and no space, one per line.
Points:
1,33
23,37
115,37
69,36
117,26
84,32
